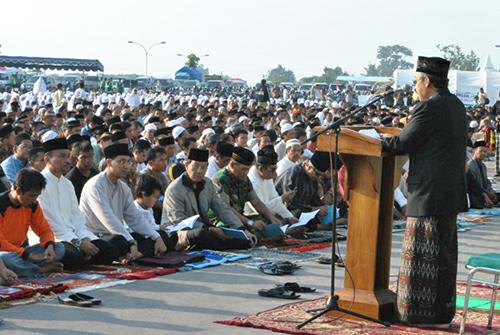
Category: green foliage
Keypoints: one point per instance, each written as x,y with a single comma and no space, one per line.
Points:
329,76
192,60
280,74
459,59
390,58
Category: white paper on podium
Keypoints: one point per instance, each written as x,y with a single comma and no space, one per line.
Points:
184,224
370,132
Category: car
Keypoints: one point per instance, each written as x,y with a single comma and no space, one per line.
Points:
337,86
362,88
305,88
214,84
237,84
188,83
91,83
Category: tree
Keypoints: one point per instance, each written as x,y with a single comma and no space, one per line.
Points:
280,74
371,70
192,60
329,76
459,60
392,57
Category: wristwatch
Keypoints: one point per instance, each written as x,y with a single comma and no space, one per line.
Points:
250,223
78,243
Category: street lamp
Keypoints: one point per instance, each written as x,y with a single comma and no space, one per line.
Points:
181,55
146,51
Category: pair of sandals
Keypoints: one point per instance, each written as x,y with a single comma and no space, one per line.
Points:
279,268
286,291
79,300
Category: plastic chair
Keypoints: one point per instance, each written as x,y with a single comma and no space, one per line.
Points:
485,263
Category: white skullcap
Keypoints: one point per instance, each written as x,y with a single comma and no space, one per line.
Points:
49,135
242,118
286,127
291,143
177,131
473,124
207,131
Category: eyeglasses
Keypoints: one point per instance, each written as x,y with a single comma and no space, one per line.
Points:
124,162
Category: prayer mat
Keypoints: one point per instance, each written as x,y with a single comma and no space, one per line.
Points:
295,245
284,318
171,259
264,255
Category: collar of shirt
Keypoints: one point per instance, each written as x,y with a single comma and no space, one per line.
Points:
188,183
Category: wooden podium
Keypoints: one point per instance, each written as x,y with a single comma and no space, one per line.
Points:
369,184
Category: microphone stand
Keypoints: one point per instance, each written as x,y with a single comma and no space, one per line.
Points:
332,303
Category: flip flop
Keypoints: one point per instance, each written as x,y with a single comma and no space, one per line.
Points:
279,268
295,287
278,292
71,302
84,297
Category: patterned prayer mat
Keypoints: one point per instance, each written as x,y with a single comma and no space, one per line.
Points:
263,255
284,318
97,276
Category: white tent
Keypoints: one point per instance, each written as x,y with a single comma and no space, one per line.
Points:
464,84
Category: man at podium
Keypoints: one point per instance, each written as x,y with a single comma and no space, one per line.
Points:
435,140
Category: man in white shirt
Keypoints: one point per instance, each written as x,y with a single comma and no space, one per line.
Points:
287,133
60,207
109,209
292,156
261,175
220,159
80,94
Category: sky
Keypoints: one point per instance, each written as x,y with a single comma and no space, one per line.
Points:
245,38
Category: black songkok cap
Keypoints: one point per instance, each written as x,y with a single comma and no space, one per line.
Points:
243,156
169,140
153,119
115,150
435,66
97,120
200,155
113,119
479,144
119,135
5,130
321,160
55,144
192,129
74,139
267,156
224,149
163,131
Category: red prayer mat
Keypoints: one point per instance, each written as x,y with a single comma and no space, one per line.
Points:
284,318
294,245
95,275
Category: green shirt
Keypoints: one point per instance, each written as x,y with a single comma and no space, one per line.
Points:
233,191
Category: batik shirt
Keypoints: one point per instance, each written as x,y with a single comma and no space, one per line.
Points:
233,191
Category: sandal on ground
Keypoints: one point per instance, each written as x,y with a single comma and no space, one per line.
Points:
72,302
295,287
279,268
84,297
278,292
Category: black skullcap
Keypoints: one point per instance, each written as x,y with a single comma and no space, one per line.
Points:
200,155
153,119
267,156
321,160
113,119
386,121
169,140
271,133
5,130
55,144
479,144
192,129
258,128
142,145
243,156
115,150
224,149
435,66
163,131
74,139
206,119
97,120
119,135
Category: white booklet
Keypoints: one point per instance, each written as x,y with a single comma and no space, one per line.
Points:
370,132
184,224
303,220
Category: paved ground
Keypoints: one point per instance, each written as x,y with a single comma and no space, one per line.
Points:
189,302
